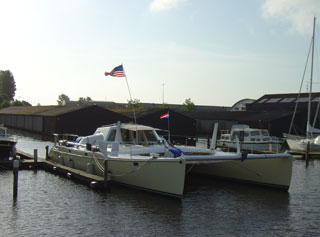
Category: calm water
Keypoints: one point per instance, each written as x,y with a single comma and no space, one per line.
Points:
50,205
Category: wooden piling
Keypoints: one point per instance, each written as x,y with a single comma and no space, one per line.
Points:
47,152
16,165
307,153
105,174
35,156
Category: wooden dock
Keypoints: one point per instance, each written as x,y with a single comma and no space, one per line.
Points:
27,162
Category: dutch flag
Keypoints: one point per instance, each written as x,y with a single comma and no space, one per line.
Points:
164,116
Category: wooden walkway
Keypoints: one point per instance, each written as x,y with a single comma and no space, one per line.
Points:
27,162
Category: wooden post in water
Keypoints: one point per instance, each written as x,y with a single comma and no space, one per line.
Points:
307,153
105,174
16,164
47,152
35,157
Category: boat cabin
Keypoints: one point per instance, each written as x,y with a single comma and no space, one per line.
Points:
247,134
123,134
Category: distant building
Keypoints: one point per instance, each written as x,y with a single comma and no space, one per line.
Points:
47,120
241,105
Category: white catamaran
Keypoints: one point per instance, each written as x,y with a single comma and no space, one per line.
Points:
136,156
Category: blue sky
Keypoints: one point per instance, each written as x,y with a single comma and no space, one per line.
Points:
212,51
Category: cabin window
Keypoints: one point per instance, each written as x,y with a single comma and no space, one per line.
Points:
246,134
125,134
266,139
265,133
254,133
235,134
111,136
150,136
2,133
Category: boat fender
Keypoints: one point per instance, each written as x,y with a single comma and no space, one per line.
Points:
244,156
78,139
176,152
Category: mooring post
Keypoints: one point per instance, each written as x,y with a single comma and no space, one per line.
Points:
16,164
35,157
47,152
105,174
307,153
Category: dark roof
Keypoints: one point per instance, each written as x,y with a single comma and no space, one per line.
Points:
177,107
53,110
25,110
237,115
283,101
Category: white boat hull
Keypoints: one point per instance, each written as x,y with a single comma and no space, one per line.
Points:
273,172
301,146
161,175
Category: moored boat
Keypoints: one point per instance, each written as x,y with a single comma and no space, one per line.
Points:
310,143
138,157
252,140
7,144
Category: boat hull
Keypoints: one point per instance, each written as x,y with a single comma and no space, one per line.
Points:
7,149
160,175
273,172
300,146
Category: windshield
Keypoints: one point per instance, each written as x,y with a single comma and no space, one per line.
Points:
144,136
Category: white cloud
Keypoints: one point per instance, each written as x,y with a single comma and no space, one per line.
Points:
164,5
299,13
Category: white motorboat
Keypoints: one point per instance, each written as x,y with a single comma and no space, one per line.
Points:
7,144
138,157
252,140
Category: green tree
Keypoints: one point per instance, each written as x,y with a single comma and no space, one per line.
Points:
63,99
188,105
83,100
164,106
20,103
4,101
7,85
134,103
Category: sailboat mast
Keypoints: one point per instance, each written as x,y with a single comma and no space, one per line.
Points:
311,75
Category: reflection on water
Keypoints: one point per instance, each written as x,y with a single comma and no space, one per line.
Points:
51,205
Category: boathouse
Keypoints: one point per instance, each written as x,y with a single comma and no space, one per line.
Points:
288,103
46,120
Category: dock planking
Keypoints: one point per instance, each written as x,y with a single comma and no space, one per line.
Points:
27,162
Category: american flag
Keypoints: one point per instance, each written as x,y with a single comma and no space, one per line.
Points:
116,72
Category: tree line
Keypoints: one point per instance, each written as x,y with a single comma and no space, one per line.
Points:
8,90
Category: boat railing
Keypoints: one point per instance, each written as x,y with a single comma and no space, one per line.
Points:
64,138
